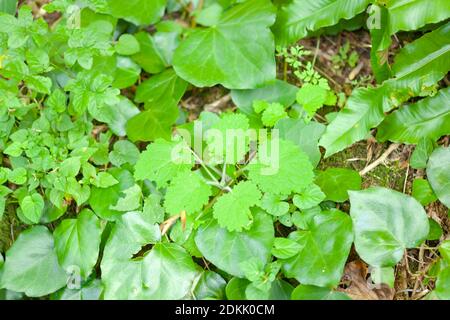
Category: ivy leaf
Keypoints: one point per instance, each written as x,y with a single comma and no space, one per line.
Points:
130,201
305,135
124,152
31,265
299,17
210,286
32,207
236,53
438,173
428,118
153,209
162,161
443,284
336,182
292,173
324,250
120,114
154,123
309,197
169,272
77,242
187,192
421,190
102,199
307,292
122,276
232,210
227,249
150,58
139,12
386,222
423,150
160,88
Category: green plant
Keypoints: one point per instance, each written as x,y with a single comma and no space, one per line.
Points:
111,181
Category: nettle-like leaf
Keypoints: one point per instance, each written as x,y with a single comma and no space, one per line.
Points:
31,265
139,12
292,173
418,67
438,173
300,17
188,192
77,242
386,222
162,161
232,210
238,52
227,249
428,118
324,250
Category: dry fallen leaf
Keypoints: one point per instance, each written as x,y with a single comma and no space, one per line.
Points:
359,288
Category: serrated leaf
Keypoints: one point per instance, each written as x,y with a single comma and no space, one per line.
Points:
236,53
312,97
386,222
272,114
324,250
187,192
438,173
162,161
274,204
31,265
227,249
232,210
292,173
77,242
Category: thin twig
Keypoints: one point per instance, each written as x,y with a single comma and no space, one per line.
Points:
380,160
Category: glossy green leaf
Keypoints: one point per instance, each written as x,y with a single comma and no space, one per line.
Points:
428,118
31,265
168,272
236,53
324,250
336,182
299,17
77,242
227,250
421,190
438,173
139,12
386,223
122,274
308,292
